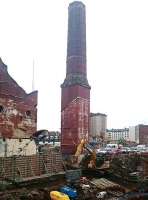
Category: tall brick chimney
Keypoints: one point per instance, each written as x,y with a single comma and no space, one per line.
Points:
75,104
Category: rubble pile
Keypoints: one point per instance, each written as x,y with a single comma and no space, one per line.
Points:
25,194
85,189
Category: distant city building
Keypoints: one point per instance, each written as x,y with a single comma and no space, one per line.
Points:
141,134
98,125
45,136
137,134
132,134
117,134
55,135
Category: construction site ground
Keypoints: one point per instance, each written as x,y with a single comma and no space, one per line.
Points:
39,189
20,180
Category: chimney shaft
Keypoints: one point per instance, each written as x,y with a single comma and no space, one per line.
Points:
75,102
76,45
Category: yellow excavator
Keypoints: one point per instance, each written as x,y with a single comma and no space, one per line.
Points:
91,154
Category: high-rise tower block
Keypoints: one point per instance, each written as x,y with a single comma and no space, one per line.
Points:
75,105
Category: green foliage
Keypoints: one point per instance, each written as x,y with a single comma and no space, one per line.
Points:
122,141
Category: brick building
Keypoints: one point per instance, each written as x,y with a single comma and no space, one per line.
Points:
137,134
141,134
75,105
18,110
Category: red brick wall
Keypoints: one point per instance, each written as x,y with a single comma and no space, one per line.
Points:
72,92
74,124
143,134
28,166
18,112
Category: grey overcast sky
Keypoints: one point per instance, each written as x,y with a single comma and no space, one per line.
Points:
117,55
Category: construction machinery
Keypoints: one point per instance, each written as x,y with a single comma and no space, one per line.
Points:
85,159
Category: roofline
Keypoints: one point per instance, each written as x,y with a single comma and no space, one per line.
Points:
97,114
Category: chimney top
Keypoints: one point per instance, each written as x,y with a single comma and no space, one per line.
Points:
77,3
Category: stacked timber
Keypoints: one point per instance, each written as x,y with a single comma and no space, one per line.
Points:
104,184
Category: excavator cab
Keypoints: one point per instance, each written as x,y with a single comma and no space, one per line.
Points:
81,158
